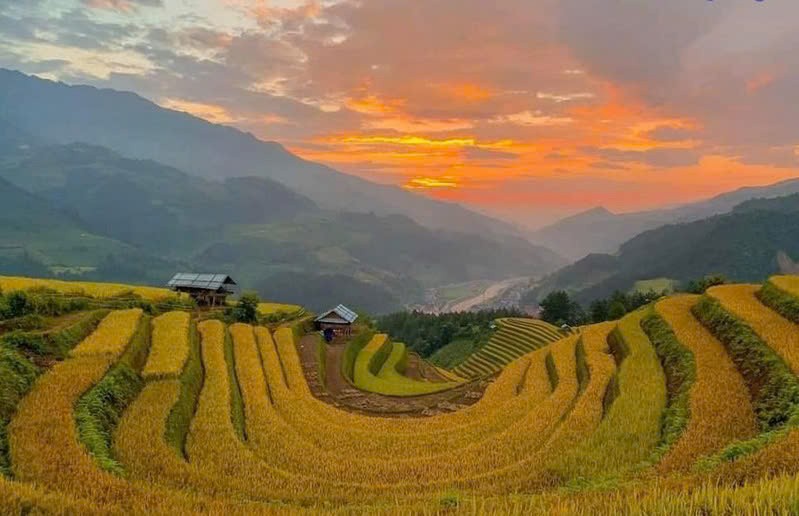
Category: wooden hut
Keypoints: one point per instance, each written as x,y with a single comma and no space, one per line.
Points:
206,289
337,321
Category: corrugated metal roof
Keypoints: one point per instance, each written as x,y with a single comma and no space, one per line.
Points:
342,311
203,281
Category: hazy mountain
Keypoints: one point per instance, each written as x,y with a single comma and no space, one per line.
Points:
601,231
747,244
37,239
138,128
260,231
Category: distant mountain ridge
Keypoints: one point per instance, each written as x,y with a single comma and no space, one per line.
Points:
598,230
138,128
758,238
266,235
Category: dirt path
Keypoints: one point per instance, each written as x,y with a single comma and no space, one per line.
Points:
494,290
339,392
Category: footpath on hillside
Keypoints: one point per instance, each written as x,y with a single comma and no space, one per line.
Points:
339,392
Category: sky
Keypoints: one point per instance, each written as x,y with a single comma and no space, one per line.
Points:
524,109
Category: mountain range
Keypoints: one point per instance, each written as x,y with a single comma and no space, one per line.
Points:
137,128
600,231
753,241
120,177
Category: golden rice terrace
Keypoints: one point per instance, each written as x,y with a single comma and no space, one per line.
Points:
690,405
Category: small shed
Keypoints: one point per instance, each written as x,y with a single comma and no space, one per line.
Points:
205,289
337,321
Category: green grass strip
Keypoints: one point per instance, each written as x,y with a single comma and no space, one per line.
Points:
99,410
679,367
351,353
772,384
236,399
780,301
191,383
55,343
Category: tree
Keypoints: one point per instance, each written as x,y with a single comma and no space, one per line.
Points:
616,311
558,309
700,286
17,304
246,310
599,310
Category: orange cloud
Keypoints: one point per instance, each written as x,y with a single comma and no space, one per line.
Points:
426,183
760,81
468,92
212,113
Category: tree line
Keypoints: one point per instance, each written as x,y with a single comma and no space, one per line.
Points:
559,308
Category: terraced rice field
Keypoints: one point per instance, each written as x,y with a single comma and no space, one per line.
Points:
99,290
658,413
379,368
513,338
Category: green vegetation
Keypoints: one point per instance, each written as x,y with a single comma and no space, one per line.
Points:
17,375
665,285
191,382
246,309
700,286
559,308
236,399
513,338
741,246
352,351
455,353
19,353
426,334
98,412
680,370
773,387
779,300
377,369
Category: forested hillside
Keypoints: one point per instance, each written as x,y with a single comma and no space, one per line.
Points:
742,245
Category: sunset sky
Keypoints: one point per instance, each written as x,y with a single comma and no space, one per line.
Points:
526,109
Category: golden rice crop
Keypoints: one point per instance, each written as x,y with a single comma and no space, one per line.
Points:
780,334
302,452
274,308
140,445
498,401
715,420
630,429
46,451
170,345
98,290
112,335
376,469
789,284
214,446
381,433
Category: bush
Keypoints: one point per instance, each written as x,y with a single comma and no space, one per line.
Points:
17,375
680,370
54,343
701,286
246,310
191,383
774,388
780,301
98,412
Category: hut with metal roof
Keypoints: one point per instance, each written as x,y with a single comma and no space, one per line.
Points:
205,289
336,321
